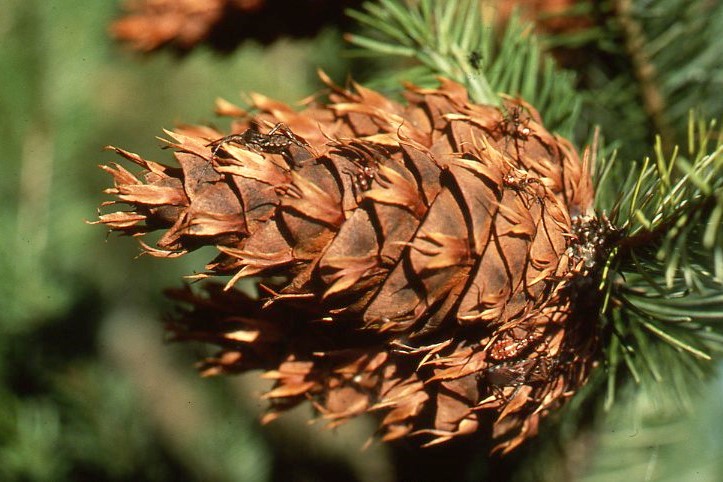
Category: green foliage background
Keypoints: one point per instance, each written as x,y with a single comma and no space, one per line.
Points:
88,390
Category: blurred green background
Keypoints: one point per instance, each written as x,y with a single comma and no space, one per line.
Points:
88,389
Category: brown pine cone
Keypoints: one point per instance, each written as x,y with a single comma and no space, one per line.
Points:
432,262
153,23
148,25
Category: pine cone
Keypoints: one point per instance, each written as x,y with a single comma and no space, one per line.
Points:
151,24
429,261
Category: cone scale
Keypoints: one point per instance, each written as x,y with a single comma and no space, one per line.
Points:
432,266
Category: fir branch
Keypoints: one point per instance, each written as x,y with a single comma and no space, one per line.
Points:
440,37
453,40
676,201
666,284
644,69
647,64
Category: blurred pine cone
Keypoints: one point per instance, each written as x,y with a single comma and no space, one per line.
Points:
151,24
431,262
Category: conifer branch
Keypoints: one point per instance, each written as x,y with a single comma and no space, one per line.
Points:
669,275
644,69
647,64
453,39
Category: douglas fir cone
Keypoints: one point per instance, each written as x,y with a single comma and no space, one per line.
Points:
431,262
